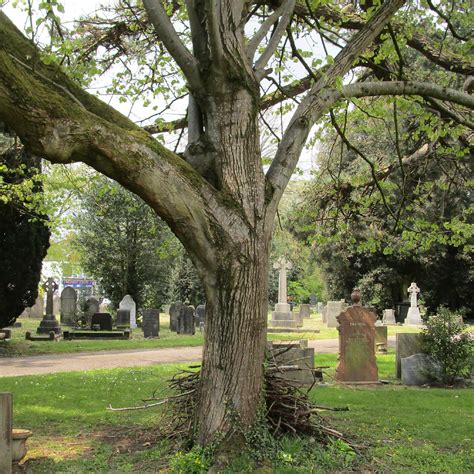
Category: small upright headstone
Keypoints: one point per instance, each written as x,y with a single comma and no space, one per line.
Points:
128,303
356,344
175,310
91,307
6,427
151,323
186,320
419,369
413,317
319,307
333,310
102,320
68,305
324,314
123,318
313,300
305,311
407,344
200,315
49,323
388,317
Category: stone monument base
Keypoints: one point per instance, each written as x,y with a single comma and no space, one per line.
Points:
283,323
413,317
49,325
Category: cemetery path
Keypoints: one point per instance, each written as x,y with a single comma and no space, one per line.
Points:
54,363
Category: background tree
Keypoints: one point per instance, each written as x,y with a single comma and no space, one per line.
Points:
24,233
123,245
215,195
391,203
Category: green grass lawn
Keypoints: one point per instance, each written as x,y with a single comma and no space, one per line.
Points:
18,346
402,429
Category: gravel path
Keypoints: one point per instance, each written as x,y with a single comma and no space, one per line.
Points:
50,364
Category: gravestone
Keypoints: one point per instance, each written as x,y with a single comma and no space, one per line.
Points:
324,314
175,309
413,316
297,355
103,320
356,344
319,308
407,344
68,305
123,318
6,427
200,315
49,323
333,310
381,339
91,307
186,323
37,310
282,316
151,323
128,303
313,300
388,317
419,369
305,311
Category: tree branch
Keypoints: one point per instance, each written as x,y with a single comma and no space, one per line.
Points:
315,103
167,34
54,126
275,38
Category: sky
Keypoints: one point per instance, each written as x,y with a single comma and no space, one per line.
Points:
73,9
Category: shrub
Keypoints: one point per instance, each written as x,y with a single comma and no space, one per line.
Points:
445,339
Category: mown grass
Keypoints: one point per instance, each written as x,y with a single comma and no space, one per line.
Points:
401,429
18,346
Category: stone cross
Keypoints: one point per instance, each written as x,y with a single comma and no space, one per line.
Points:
282,266
50,286
413,290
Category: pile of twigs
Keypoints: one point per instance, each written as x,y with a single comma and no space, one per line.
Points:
289,409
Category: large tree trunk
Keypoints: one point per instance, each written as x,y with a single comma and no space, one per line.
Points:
236,322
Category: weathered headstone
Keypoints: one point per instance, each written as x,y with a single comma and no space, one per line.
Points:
123,318
186,323
356,344
313,300
413,317
128,303
388,317
175,309
49,323
102,320
407,344
305,311
200,315
297,355
381,339
91,307
282,316
333,310
319,308
324,314
37,310
418,369
68,305
6,427
151,323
